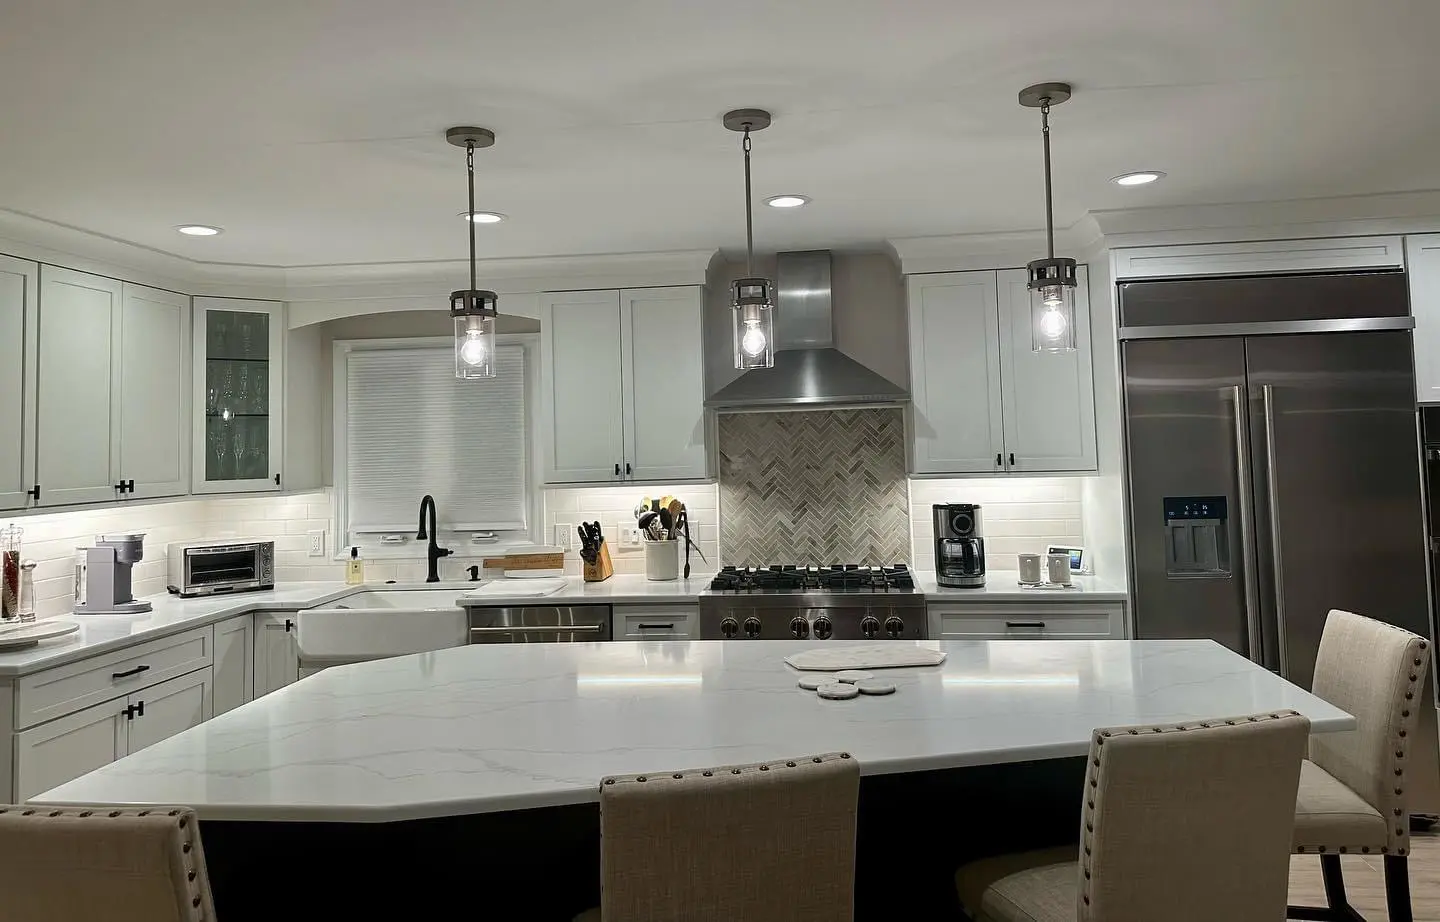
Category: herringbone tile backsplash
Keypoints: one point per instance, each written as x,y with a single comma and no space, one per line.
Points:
818,487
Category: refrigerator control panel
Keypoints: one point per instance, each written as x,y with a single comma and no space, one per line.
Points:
1197,542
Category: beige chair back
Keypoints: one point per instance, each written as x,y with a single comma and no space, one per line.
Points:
771,842
102,863
1375,671
1191,822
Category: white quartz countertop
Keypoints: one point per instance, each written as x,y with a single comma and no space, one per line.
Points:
490,728
1004,586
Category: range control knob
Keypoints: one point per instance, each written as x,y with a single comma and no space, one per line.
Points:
752,627
729,627
869,626
894,626
799,628
823,628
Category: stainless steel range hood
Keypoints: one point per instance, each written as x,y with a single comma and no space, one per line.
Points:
809,371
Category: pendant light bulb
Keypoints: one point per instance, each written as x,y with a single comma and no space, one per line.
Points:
472,309
752,299
1053,279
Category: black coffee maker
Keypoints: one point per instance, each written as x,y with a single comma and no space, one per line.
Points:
959,547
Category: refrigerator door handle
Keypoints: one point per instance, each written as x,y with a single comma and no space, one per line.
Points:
1248,560
1272,497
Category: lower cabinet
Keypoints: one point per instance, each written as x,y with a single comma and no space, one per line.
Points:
1027,621
234,663
277,657
66,748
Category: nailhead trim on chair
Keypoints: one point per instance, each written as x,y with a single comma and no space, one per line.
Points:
1097,769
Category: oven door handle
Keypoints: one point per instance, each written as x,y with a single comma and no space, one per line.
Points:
542,629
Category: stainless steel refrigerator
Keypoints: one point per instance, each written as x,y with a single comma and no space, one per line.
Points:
1273,462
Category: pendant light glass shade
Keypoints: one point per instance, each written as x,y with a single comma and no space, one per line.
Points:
1052,305
754,316
474,334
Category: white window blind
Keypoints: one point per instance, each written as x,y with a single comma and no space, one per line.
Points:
413,428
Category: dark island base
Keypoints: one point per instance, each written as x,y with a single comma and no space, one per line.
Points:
541,865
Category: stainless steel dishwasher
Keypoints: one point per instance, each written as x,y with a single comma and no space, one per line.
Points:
539,624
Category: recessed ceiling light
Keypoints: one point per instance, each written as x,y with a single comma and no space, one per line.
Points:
1141,178
484,217
787,201
198,230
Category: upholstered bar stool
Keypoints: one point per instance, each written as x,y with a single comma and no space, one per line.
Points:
1183,823
1353,787
769,842
102,864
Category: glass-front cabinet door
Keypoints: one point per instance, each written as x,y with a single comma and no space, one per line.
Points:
237,401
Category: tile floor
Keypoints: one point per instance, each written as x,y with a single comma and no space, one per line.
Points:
1365,881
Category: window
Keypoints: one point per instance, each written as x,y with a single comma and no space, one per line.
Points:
406,426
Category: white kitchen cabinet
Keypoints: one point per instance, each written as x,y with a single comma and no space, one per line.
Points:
1048,398
78,390
1422,257
663,382
18,344
66,748
234,680
237,406
163,710
956,422
981,401
622,395
581,387
277,658
62,750
154,344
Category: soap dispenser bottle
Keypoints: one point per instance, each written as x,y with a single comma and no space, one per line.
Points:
354,568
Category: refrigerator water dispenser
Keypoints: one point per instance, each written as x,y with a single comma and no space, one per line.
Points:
1196,536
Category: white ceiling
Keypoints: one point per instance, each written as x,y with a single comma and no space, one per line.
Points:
312,131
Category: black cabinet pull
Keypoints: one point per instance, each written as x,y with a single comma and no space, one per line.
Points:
657,627
129,672
999,459
1039,624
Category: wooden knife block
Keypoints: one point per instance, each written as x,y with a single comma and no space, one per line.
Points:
602,569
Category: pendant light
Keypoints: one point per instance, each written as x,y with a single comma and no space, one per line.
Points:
753,298
1052,280
473,309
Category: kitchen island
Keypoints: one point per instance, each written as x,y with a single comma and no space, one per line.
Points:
498,751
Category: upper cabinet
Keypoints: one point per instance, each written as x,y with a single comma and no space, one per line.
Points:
19,326
982,401
237,395
1422,257
622,391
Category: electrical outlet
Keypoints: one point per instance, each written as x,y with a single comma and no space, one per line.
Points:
317,542
563,534
631,537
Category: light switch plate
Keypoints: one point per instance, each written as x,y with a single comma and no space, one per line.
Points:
317,542
563,533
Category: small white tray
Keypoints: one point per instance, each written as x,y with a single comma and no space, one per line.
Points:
28,635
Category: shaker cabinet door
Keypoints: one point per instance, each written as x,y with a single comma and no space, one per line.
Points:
154,340
582,432
79,387
18,323
1049,397
664,383
956,425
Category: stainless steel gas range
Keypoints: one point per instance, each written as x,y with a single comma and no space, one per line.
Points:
838,602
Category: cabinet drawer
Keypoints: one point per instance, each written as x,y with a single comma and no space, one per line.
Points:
64,689
667,622
1025,622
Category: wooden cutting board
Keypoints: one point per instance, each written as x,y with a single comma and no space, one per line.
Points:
879,656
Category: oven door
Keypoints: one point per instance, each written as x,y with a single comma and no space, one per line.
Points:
568,624
225,569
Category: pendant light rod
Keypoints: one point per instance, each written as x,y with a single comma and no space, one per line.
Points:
1042,96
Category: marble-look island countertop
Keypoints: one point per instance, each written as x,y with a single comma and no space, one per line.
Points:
489,728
